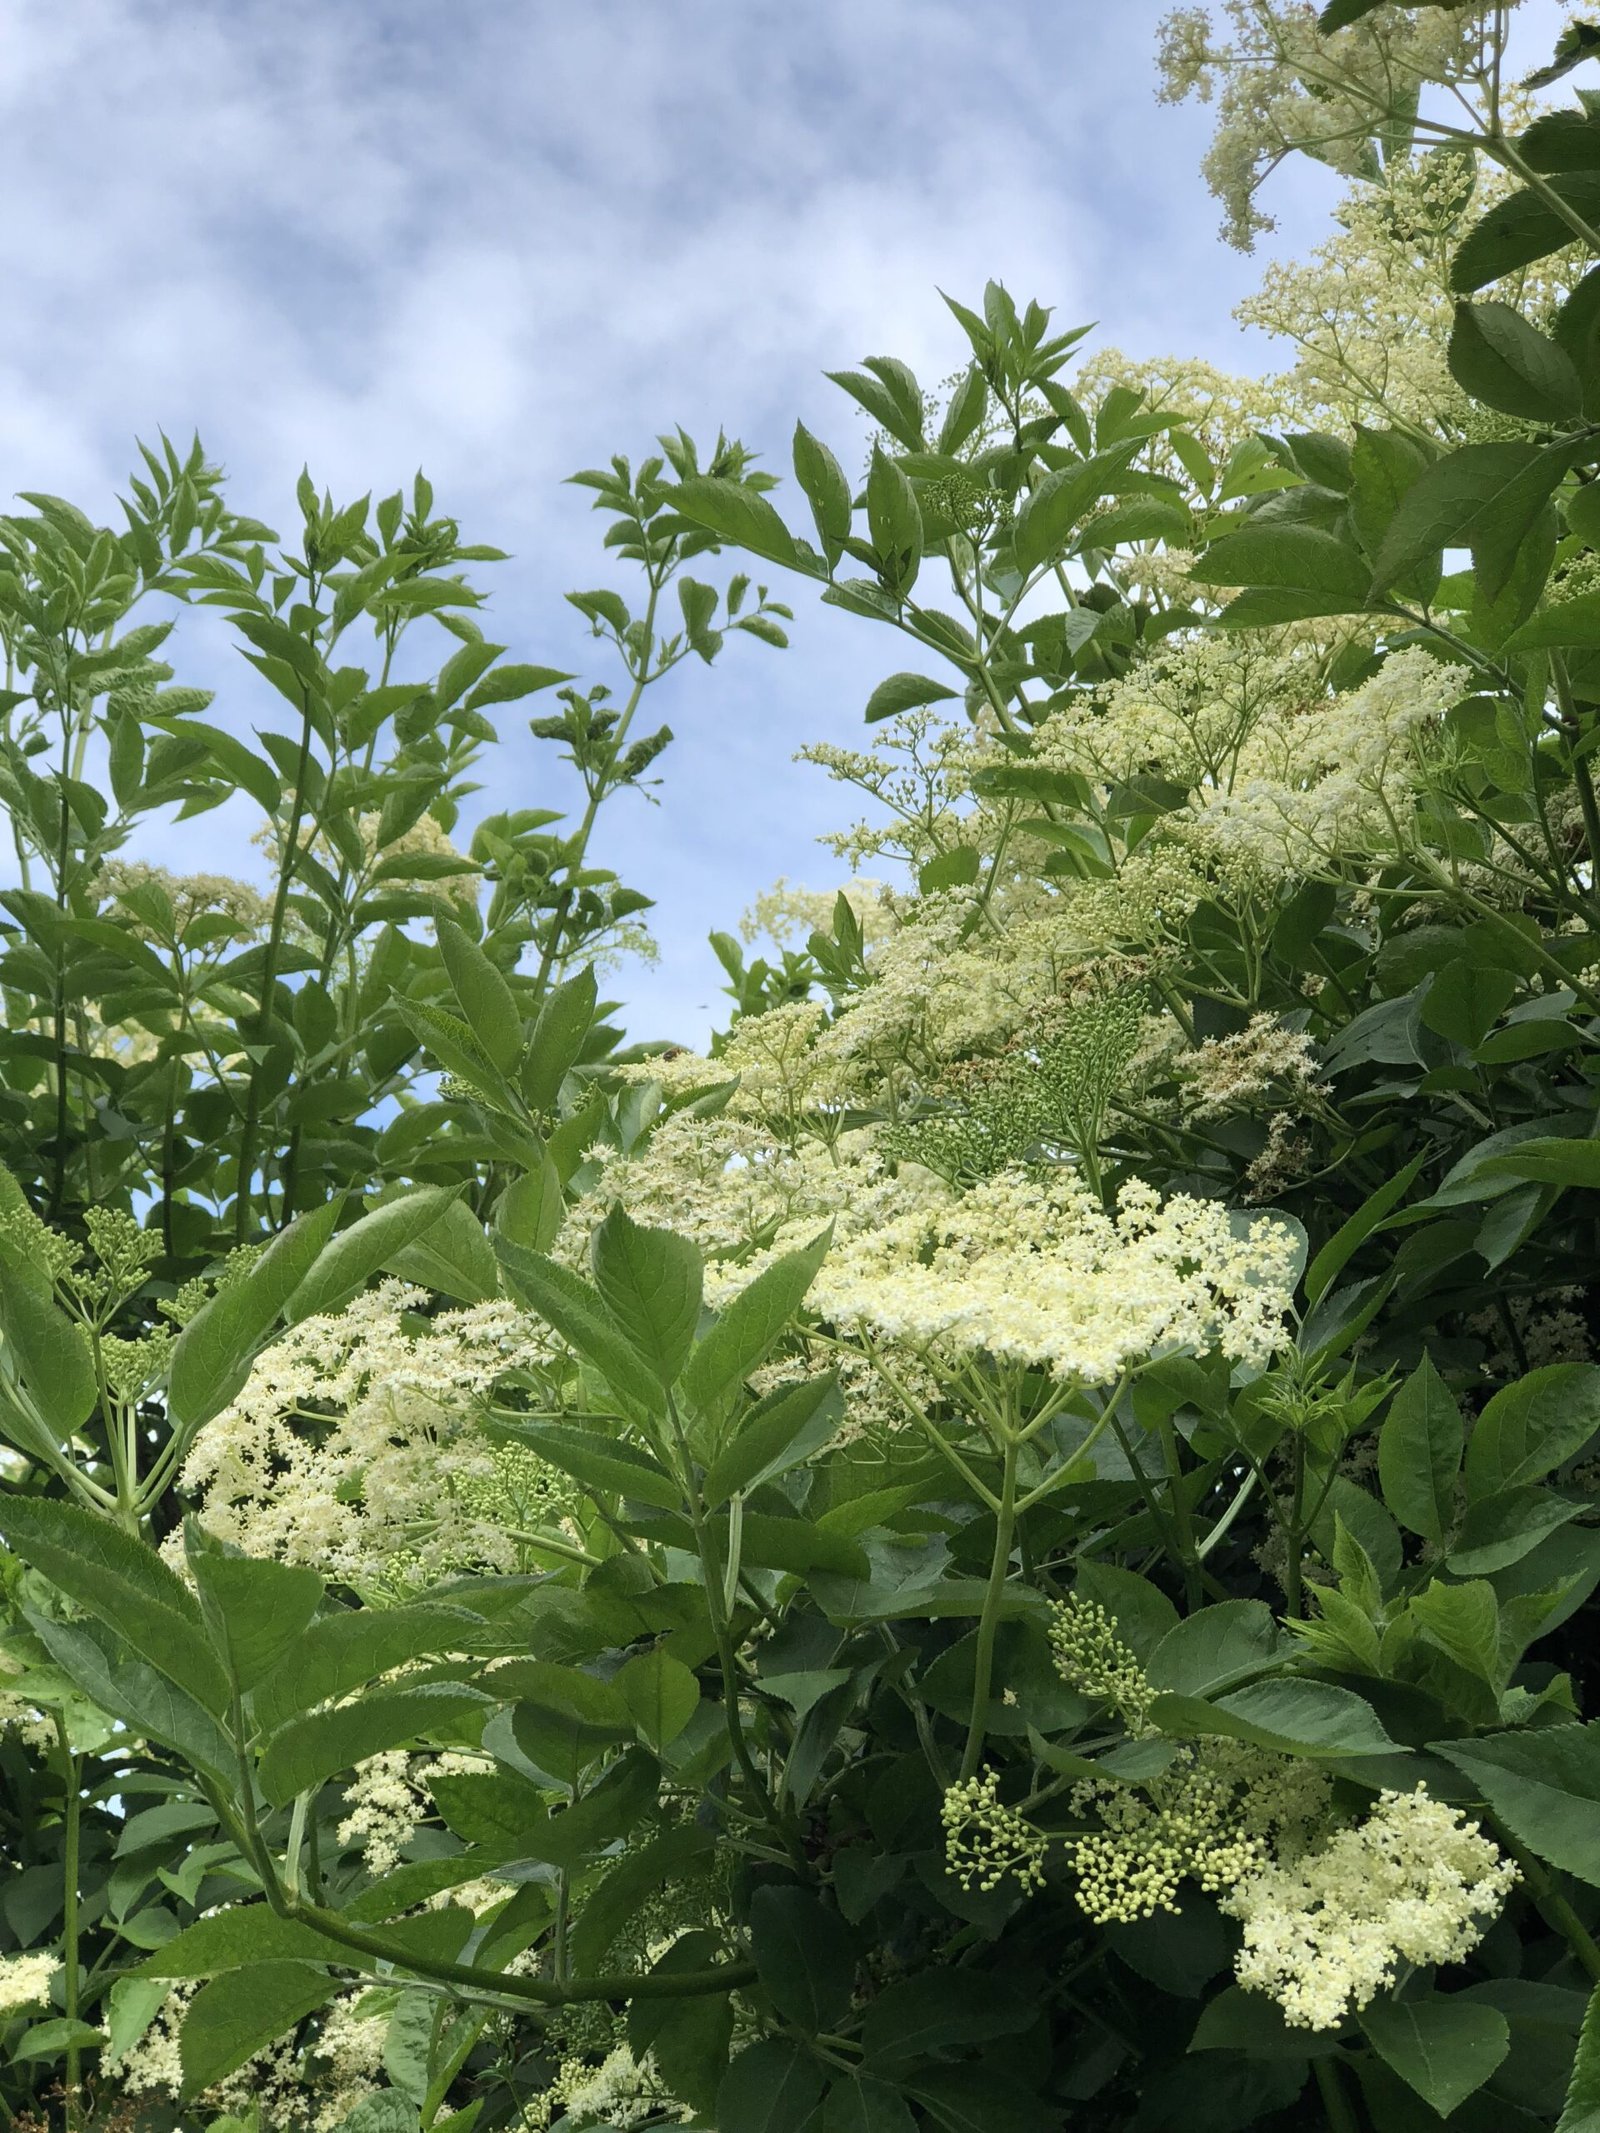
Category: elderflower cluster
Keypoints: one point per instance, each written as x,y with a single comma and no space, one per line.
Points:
621,2092
1337,778
1416,1882
742,1195
1184,714
1029,1267
1217,1814
1234,1073
919,769
294,2085
161,906
25,1980
986,1842
356,1443
789,915
1280,85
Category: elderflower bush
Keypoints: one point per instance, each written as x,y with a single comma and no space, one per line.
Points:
1013,1542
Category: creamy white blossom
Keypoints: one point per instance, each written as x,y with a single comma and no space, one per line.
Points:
1416,1882
1030,1268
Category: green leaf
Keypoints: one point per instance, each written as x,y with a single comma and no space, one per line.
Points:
256,1611
1466,999
1291,571
1339,14
772,2087
307,1751
1581,2111
1350,1235
453,1257
384,2111
47,1352
1215,1648
779,1432
650,1281
748,1326
680,1853
212,1355
1486,497
1505,363
894,518
236,1938
488,1004
741,517
1443,2048
806,1956
938,2011
344,1267
150,1705
1502,1529
1383,465
580,1316
605,1464
1563,625
1464,1622
661,1695
800,1546
904,692
48,2040
1534,1426
687,2039
1310,1718
1520,229
1544,1785
857,2105
243,2011
559,1035
826,490
890,393
1419,1453
345,1651
1047,520
957,868
121,1581
508,684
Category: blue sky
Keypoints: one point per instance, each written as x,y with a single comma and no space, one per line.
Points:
505,239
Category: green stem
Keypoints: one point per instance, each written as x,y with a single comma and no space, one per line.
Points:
1330,2086
1182,1522
1293,1536
269,979
1551,1905
989,1621
69,1948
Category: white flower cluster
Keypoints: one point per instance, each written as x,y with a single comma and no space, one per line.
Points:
744,1195
25,1980
293,2087
621,2092
1234,1073
1338,777
1323,1934
1030,1268
1282,86
355,1445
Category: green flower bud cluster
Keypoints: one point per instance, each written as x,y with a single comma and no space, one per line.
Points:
1092,1658
985,1842
1052,1089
